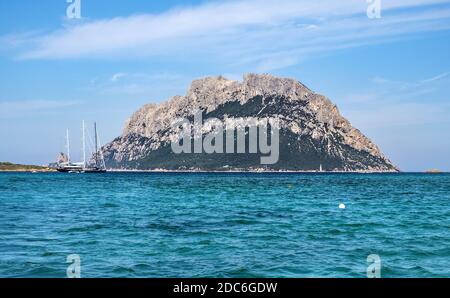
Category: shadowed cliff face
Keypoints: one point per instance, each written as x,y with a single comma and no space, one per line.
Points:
312,132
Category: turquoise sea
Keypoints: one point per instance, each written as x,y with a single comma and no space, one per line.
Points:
224,225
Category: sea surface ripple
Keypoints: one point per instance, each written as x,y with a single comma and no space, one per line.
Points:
224,225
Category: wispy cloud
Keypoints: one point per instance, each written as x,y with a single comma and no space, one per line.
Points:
436,78
10,109
399,114
153,86
118,75
400,103
416,87
272,34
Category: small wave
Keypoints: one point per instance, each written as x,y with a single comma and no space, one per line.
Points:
242,222
48,254
86,228
42,271
17,179
165,227
239,273
336,232
122,269
110,205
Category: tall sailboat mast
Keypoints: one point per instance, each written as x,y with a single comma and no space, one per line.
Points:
84,144
68,146
96,144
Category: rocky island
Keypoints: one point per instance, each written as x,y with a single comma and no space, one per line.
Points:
313,135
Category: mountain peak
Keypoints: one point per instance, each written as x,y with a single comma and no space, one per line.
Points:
269,84
313,131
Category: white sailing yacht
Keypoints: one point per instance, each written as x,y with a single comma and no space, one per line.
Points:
98,165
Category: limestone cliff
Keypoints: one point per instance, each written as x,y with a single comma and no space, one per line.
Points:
313,133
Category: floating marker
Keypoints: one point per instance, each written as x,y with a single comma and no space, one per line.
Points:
341,206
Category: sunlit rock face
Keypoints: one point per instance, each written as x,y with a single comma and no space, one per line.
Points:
313,134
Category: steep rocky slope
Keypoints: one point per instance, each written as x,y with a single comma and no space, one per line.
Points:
312,131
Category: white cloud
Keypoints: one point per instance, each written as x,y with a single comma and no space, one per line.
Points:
118,75
272,34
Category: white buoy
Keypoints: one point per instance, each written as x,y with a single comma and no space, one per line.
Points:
341,206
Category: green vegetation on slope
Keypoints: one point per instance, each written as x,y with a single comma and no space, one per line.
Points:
7,166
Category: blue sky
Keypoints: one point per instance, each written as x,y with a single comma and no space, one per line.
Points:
390,76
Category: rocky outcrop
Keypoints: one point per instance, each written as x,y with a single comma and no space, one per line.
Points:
312,131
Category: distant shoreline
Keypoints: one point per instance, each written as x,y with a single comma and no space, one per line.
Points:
223,172
274,172
244,171
7,167
29,171
18,168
